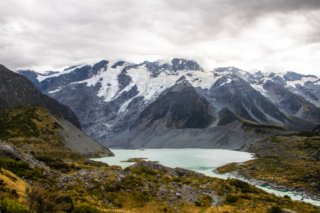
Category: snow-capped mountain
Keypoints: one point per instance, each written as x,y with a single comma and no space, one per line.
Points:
177,103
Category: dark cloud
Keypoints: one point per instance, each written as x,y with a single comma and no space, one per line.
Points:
266,6
35,33
234,14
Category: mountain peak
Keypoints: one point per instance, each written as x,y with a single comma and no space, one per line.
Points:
180,106
184,64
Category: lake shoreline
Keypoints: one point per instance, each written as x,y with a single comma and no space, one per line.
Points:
278,190
203,161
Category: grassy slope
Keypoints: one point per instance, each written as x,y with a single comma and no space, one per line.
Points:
32,128
71,183
291,161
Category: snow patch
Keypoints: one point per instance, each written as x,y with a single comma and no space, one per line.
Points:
259,88
56,90
302,81
108,78
150,87
229,80
65,71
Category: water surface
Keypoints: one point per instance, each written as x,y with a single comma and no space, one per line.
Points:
199,160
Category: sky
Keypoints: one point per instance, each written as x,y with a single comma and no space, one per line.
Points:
267,35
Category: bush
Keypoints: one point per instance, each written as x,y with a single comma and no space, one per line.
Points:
18,122
204,200
287,197
54,163
275,209
243,186
13,165
85,209
141,198
41,200
231,198
12,206
14,193
20,168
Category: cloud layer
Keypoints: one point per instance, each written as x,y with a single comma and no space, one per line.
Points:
270,35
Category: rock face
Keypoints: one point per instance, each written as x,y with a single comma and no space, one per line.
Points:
21,103
177,103
79,142
245,101
181,107
292,103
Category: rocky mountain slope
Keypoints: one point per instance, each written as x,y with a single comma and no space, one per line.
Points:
24,109
176,103
33,126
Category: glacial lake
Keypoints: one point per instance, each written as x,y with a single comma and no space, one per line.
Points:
204,161
199,160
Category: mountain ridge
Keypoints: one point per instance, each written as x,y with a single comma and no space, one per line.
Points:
115,94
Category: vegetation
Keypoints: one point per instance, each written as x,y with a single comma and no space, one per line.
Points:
40,200
230,167
40,175
8,205
291,162
135,160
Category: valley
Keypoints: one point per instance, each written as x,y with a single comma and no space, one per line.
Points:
49,165
162,106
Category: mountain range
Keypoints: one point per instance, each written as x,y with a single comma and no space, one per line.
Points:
178,104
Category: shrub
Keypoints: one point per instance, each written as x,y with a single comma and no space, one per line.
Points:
85,209
231,198
12,206
21,168
243,186
204,200
287,197
54,163
275,209
13,165
141,198
14,193
40,200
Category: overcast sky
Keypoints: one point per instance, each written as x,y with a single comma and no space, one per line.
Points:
268,35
